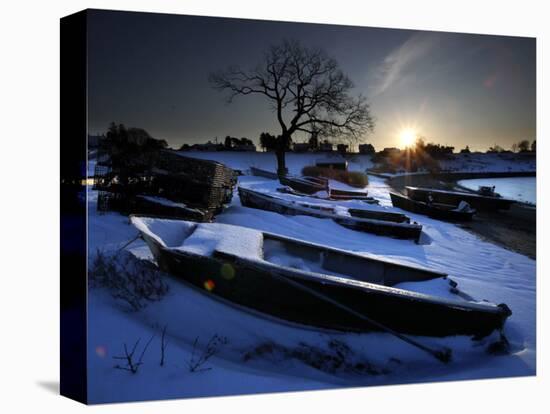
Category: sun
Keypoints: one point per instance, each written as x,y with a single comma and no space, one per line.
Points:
407,137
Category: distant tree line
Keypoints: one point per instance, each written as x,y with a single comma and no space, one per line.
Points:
130,149
232,142
434,150
523,145
229,144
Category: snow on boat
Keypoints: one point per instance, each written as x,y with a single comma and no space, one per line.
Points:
477,201
435,210
339,194
486,190
313,285
159,206
306,185
258,172
329,196
369,221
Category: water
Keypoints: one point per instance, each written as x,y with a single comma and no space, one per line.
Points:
517,188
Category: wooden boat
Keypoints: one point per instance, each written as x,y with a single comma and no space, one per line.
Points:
309,185
376,222
312,185
258,172
477,201
306,185
159,206
435,210
328,197
313,285
338,194
487,190
318,182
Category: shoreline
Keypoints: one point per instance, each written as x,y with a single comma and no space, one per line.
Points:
514,229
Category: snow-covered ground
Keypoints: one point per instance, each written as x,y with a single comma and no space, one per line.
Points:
494,162
474,162
483,270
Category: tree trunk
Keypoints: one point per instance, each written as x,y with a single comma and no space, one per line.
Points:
281,165
282,146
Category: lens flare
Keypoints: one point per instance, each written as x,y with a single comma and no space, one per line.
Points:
227,271
209,285
101,351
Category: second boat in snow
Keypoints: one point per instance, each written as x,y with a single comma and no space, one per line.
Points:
370,221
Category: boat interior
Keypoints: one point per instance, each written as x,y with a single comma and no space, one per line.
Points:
211,239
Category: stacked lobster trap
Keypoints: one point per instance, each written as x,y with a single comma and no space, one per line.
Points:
165,184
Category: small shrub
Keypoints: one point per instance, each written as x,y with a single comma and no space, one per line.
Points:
197,360
352,178
130,362
336,357
130,280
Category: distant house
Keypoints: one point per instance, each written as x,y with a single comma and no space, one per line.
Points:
209,146
342,148
366,149
244,147
325,147
301,147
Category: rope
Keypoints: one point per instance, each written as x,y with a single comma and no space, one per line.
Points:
138,236
443,355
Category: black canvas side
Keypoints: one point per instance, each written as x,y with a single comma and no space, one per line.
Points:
73,93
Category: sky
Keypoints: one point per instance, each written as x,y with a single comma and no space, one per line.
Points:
151,71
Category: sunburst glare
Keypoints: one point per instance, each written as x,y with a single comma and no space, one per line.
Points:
407,137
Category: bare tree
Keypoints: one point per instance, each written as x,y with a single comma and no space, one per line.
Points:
307,90
523,145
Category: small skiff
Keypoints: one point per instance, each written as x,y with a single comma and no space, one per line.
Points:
477,201
314,285
369,221
435,210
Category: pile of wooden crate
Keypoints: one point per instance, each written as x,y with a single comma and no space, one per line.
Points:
172,185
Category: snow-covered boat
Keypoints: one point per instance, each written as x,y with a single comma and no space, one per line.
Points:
159,206
324,195
258,172
306,185
310,185
435,210
487,190
370,221
477,201
314,285
338,194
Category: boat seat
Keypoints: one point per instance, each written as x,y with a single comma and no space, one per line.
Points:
223,238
